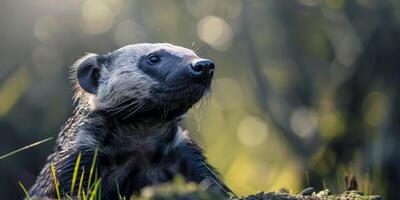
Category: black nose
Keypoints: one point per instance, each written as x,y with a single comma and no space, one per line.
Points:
201,69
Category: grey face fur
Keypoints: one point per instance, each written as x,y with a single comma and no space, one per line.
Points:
128,86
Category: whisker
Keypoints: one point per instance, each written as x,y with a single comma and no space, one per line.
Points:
124,101
124,107
134,111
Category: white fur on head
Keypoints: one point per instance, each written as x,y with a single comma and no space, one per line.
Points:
123,80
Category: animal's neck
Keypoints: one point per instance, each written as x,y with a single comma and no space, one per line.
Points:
97,129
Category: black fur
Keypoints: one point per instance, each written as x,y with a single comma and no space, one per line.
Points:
134,152
122,164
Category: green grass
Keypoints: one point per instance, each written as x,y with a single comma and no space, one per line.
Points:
56,183
178,189
93,190
76,169
24,148
92,169
25,191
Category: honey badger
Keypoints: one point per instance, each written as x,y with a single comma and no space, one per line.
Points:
129,106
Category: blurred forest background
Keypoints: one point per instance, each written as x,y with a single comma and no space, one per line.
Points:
306,91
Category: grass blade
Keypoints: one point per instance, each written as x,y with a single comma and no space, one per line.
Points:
76,169
119,193
25,191
53,173
83,195
92,170
24,148
81,183
95,189
68,197
99,194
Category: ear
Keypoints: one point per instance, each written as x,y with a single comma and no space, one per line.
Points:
88,73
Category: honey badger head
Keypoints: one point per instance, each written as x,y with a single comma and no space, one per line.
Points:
143,81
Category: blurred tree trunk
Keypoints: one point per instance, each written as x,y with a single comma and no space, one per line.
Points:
376,68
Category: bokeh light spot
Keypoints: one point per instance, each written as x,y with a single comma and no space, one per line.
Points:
303,122
252,131
375,108
97,17
45,29
331,125
215,32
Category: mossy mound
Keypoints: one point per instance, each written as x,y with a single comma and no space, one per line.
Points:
349,195
192,191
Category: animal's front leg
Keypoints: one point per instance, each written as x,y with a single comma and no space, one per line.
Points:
196,168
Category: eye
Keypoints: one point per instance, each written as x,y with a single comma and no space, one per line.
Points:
153,59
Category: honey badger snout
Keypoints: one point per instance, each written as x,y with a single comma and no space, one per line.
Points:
201,69
192,70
